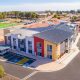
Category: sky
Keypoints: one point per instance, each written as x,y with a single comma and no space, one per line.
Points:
39,5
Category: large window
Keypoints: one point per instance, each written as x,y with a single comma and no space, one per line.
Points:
14,41
49,48
30,46
38,45
21,44
39,49
49,51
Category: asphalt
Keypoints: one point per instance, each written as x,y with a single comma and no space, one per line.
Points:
16,70
70,72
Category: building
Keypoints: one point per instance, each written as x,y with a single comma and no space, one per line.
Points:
52,43
21,40
48,42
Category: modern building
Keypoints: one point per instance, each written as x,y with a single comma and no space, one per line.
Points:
48,42
21,40
52,43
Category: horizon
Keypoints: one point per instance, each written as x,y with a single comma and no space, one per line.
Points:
30,5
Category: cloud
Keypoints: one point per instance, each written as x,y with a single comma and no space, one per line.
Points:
40,6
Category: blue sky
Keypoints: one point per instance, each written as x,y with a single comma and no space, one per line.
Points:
31,5
6,2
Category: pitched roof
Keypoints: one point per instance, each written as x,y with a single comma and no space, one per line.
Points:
54,35
40,29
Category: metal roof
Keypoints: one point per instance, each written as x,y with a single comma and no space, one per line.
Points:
4,47
65,27
40,29
54,35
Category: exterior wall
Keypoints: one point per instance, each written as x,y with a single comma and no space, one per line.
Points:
62,48
55,50
12,44
32,40
2,35
36,39
7,40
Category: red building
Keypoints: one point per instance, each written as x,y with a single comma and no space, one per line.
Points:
39,46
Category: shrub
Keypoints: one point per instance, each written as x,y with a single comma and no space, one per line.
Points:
1,71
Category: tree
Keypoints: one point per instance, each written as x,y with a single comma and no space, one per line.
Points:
56,16
1,71
2,15
74,18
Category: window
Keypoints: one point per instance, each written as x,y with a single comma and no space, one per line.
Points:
49,47
30,43
30,46
9,37
49,56
39,45
39,54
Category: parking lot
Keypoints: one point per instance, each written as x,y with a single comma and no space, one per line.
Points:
17,59
16,65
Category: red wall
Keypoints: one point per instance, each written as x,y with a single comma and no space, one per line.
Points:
36,39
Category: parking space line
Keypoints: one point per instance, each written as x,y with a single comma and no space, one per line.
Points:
30,75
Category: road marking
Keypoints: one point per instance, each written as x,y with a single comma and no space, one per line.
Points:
2,60
30,75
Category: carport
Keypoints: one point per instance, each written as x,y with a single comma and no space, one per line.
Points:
4,49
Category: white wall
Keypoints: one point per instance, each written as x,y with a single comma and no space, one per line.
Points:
62,47
16,37
32,40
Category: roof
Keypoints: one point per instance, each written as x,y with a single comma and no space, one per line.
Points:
23,33
4,47
65,27
54,35
40,29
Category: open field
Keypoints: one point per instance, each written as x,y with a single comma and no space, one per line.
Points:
5,25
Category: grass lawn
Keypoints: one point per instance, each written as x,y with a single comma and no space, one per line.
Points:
24,60
5,25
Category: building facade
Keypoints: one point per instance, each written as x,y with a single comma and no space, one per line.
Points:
47,42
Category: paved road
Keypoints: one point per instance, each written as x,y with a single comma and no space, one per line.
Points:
16,70
70,72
